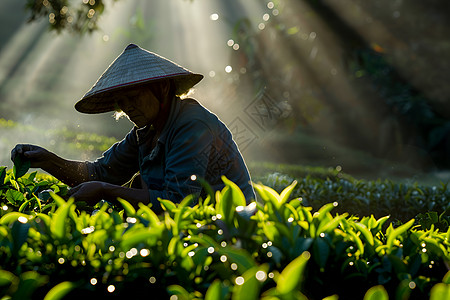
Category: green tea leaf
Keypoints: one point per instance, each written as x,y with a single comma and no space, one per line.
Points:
144,235
249,284
12,217
7,278
29,282
377,293
60,290
21,166
284,196
179,291
19,232
366,233
396,232
239,256
236,193
214,291
58,226
129,209
440,291
292,274
2,175
321,251
14,197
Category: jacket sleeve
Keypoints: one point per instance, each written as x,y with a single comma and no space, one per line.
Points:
117,164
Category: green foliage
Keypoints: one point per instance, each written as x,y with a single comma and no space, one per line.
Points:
402,201
217,249
27,193
63,15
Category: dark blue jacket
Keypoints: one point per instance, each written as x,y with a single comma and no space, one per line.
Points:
193,142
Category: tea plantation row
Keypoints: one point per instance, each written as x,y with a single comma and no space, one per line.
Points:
278,248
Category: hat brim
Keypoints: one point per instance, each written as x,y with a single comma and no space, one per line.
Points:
104,100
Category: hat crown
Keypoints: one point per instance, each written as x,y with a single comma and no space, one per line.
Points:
135,65
130,46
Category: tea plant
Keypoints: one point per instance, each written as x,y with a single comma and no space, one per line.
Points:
217,249
27,193
360,197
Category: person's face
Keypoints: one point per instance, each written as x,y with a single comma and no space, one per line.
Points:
140,105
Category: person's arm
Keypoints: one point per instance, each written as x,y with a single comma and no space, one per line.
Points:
94,191
70,172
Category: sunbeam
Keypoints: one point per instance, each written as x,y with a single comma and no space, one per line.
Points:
280,73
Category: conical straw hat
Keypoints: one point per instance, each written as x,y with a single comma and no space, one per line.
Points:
134,66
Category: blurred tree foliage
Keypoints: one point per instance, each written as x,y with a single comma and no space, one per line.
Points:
380,106
63,15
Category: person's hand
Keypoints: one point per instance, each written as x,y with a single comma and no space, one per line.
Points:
90,192
37,156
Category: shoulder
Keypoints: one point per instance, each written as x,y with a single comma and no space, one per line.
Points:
192,111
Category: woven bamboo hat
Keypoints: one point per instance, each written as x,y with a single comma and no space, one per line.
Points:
132,67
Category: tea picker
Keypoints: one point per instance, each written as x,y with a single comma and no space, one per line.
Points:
173,141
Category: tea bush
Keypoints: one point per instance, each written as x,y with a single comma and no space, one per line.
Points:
276,248
402,201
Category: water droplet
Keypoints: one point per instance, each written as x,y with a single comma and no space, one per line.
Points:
61,260
131,220
211,250
223,258
22,219
144,252
214,17
93,281
152,280
88,230
261,275
111,288
234,266
240,280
